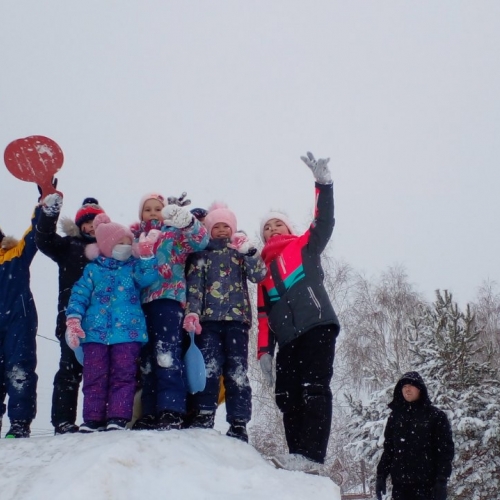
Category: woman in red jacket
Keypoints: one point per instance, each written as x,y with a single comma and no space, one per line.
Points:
296,312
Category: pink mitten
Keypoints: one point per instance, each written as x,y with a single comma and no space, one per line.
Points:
146,246
240,243
192,323
153,235
74,332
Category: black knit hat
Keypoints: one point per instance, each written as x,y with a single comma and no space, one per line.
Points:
89,209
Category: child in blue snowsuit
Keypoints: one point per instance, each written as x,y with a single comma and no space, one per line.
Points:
218,310
104,311
178,234
68,252
18,327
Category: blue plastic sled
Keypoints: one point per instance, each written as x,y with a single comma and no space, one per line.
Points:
79,354
195,368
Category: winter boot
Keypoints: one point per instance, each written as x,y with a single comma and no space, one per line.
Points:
92,426
238,430
65,428
297,462
169,420
116,424
145,423
19,429
203,420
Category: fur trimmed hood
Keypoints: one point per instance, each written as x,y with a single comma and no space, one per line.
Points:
9,242
69,227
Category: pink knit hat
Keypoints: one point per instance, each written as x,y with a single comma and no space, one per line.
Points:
150,196
108,234
218,212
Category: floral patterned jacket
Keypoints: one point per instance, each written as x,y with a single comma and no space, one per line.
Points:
217,282
172,250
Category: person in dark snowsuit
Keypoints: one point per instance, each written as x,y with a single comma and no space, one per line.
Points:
295,311
18,327
418,446
68,252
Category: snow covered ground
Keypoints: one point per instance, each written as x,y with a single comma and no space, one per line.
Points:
190,464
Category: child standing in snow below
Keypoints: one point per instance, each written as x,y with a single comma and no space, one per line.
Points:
164,392
218,310
104,311
418,446
295,311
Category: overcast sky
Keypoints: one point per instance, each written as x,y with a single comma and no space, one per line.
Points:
221,98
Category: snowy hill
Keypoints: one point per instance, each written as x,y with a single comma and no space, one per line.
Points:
190,464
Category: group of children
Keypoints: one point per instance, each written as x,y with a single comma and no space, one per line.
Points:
132,293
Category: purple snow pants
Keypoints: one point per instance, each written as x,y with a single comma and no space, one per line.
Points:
109,380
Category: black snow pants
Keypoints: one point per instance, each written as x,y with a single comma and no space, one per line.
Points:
304,369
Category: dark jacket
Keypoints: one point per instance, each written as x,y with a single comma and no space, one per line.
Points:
217,287
15,260
292,298
68,252
418,443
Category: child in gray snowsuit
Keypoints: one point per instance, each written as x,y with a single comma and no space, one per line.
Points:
218,310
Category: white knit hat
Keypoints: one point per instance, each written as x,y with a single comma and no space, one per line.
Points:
273,214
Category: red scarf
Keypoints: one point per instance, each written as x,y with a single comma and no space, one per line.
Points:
275,246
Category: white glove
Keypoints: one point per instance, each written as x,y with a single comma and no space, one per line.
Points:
176,216
52,204
319,168
240,243
266,365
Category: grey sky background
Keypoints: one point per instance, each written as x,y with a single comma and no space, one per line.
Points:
221,98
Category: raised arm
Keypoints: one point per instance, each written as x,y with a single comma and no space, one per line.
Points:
324,221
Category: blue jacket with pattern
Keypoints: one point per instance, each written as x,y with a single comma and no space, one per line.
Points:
107,298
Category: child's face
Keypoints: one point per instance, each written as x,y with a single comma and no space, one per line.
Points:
410,393
274,227
152,210
88,228
221,230
126,240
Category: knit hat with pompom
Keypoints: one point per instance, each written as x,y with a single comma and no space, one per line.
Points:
218,212
108,234
89,209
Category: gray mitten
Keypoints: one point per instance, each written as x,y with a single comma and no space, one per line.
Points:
266,365
319,168
52,204
181,201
